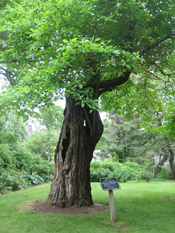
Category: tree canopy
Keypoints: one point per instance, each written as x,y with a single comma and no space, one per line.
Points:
86,48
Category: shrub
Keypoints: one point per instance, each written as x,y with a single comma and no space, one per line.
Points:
123,172
165,173
34,179
146,174
11,180
42,167
99,173
5,156
18,168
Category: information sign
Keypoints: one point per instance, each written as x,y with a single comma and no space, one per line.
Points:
109,183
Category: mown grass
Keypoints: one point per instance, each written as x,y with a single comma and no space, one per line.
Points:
140,206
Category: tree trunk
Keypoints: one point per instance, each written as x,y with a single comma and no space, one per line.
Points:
160,164
171,157
171,160
80,133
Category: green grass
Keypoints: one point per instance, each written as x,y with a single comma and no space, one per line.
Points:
145,207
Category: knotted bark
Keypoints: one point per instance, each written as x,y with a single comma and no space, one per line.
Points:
80,133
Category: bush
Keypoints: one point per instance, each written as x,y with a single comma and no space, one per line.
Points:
165,173
42,167
18,168
11,180
99,173
33,179
36,179
123,172
146,174
5,156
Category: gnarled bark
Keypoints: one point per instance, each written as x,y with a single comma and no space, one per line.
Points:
171,157
80,133
171,160
160,164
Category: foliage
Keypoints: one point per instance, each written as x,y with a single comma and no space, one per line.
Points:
165,173
87,50
123,172
12,128
126,139
167,120
5,158
11,180
19,168
42,143
34,179
51,117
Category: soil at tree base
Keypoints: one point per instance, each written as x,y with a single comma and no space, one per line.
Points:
45,207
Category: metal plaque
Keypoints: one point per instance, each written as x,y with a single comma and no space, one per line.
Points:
109,183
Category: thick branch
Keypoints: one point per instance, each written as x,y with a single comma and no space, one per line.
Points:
109,85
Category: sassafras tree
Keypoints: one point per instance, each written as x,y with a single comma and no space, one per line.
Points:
93,50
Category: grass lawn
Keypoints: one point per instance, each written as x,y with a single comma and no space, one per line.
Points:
140,207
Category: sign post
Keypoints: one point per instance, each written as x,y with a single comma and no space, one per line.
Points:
110,184
111,204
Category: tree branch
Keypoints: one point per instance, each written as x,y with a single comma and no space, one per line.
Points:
1,73
170,36
109,85
162,72
8,75
154,76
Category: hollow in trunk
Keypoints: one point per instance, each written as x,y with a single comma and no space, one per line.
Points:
80,133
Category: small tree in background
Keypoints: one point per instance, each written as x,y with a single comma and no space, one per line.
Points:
42,143
51,117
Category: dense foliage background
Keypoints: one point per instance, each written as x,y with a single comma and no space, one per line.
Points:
26,158
126,151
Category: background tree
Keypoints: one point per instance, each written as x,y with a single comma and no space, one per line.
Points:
165,128
127,140
42,143
12,128
51,117
88,48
